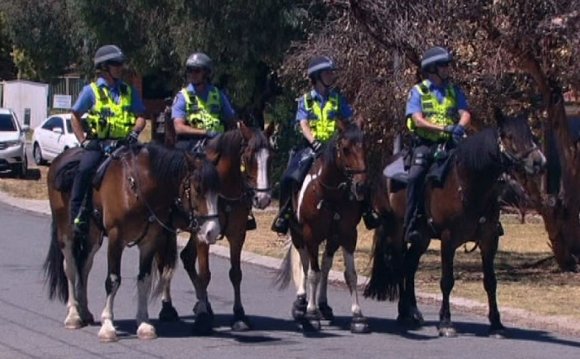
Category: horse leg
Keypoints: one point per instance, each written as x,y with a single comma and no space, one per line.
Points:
167,312
327,259
409,313
359,322
202,309
446,328
488,250
107,333
95,237
145,330
300,265
240,321
73,318
313,279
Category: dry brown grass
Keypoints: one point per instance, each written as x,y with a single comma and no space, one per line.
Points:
525,279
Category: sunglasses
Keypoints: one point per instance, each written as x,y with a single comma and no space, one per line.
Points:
195,70
115,63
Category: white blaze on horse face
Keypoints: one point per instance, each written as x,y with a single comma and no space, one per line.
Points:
210,229
262,198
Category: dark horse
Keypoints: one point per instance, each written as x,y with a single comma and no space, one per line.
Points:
328,208
243,160
144,191
464,208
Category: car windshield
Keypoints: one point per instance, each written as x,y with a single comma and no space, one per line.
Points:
7,123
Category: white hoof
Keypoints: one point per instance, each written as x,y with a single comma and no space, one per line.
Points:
146,332
73,321
107,333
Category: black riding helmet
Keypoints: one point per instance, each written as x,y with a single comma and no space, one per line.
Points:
108,54
317,65
434,57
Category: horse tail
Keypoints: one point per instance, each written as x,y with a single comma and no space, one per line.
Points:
53,267
387,257
167,257
284,274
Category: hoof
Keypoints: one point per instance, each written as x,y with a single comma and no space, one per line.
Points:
168,313
359,325
326,311
88,319
146,332
309,325
73,322
447,332
203,324
199,309
299,307
409,322
107,334
240,323
498,333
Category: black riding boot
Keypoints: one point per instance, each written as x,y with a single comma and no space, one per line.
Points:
282,220
370,218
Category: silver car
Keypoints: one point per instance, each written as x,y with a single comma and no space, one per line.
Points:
12,144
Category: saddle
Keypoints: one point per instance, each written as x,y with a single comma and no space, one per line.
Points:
398,169
66,170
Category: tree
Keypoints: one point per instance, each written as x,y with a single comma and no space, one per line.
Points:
507,53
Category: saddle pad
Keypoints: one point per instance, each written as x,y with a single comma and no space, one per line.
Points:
396,170
66,170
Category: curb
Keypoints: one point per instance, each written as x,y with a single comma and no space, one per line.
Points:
560,324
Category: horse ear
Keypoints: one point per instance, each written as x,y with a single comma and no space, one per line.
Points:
245,130
269,131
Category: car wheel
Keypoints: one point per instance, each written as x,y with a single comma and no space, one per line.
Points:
21,169
37,154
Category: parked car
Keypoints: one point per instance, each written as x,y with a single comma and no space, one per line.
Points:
52,137
12,144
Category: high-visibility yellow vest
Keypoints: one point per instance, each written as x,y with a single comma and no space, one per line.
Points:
444,113
205,115
324,126
109,119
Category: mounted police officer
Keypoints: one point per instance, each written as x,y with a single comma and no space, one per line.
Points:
200,111
437,114
317,113
114,114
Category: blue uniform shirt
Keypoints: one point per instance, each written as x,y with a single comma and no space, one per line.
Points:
179,110
344,109
86,99
414,101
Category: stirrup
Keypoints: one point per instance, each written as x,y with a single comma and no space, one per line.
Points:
371,220
251,223
280,225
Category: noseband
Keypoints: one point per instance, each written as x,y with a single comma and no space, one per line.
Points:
195,220
516,160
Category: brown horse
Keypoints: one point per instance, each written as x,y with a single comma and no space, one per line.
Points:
463,208
242,157
145,189
328,208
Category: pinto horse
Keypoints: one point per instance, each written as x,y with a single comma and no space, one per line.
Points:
328,208
243,160
464,208
144,191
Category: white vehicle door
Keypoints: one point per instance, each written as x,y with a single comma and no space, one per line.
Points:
50,137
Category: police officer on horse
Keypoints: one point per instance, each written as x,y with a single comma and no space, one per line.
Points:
114,116
437,114
200,111
317,113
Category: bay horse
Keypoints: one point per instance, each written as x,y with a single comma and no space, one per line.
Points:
464,208
328,208
243,160
143,193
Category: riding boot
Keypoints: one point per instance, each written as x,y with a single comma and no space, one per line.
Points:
370,218
282,220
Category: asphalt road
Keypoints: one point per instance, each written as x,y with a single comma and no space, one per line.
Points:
31,326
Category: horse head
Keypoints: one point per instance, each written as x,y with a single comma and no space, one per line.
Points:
351,159
256,163
199,192
517,144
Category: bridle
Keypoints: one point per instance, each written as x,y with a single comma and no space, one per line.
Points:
195,220
515,159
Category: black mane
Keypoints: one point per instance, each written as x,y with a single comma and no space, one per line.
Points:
352,133
480,153
168,166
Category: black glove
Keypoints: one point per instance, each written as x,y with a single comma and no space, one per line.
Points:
316,146
90,145
449,129
133,137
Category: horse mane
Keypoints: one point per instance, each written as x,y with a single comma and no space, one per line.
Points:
228,143
208,176
480,153
258,140
168,166
351,133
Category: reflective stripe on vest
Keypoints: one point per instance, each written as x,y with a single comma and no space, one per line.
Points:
201,114
323,127
109,119
443,114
